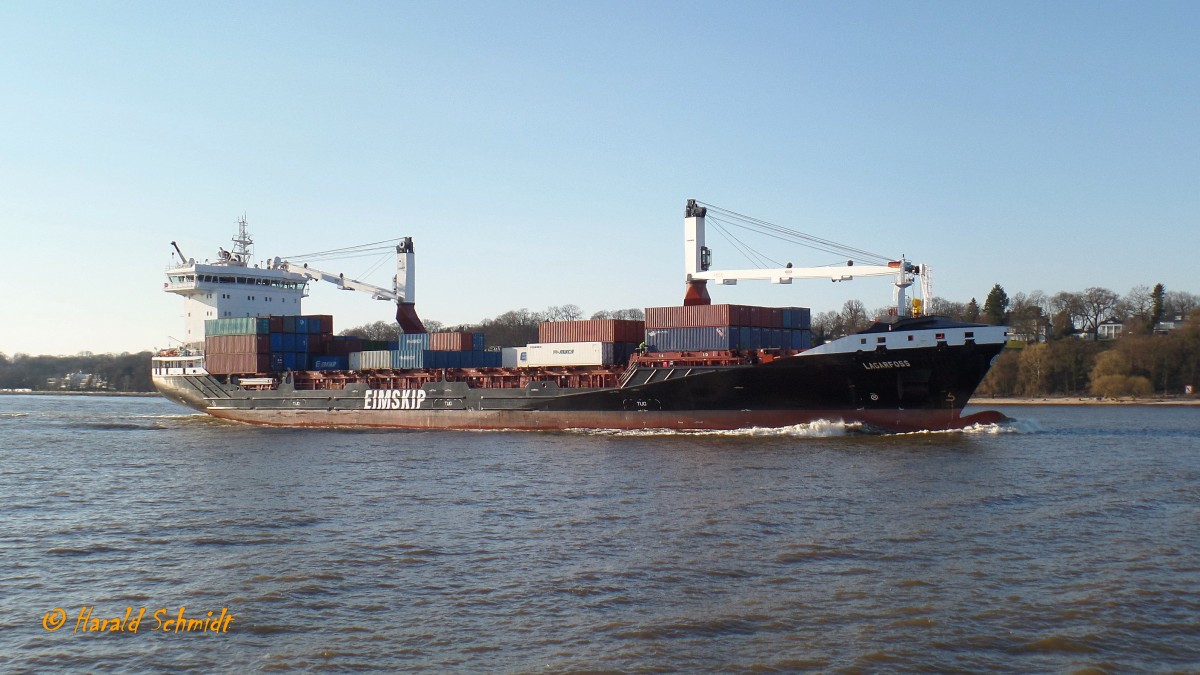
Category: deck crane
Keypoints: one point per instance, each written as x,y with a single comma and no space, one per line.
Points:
403,290
698,261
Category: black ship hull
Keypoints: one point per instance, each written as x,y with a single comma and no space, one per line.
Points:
890,389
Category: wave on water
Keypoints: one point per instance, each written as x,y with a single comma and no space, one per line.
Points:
1009,426
816,429
118,426
820,429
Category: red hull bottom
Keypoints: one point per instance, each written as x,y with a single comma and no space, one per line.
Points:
885,420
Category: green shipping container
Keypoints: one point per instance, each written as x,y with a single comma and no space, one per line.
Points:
237,325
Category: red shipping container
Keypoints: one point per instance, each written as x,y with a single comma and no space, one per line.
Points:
705,316
326,323
344,347
596,330
694,316
450,342
319,343
237,344
276,323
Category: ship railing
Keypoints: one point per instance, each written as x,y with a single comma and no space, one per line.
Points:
628,374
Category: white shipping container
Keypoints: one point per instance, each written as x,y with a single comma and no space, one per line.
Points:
565,354
370,360
509,356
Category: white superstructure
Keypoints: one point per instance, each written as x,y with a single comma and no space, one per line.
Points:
232,286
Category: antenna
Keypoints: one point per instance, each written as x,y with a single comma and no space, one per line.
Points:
243,242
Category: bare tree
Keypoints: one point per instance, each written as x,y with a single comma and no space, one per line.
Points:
948,308
1026,318
1180,302
854,316
1066,312
562,313
1136,304
379,330
1096,305
827,326
514,328
630,313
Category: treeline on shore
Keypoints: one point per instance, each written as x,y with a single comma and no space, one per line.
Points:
1136,366
84,371
1058,345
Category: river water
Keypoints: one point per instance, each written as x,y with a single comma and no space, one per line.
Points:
1067,540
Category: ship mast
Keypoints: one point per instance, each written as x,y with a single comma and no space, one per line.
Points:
243,245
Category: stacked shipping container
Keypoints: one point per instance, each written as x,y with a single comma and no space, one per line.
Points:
456,342
727,328
597,342
595,330
244,345
428,350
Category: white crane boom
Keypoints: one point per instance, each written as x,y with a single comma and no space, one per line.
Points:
377,292
698,260
403,291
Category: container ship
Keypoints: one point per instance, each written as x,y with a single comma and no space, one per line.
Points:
251,355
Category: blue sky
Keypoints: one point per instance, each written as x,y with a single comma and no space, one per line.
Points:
541,153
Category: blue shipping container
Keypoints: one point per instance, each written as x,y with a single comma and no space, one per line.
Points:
801,317
482,359
301,342
331,362
276,361
707,338
477,342
408,358
276,342
414,340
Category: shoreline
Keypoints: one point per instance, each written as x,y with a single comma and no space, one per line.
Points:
1083,400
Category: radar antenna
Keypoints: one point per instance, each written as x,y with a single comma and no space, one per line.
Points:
243,244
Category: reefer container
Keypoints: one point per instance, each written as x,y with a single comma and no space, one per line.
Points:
566,354
509,356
